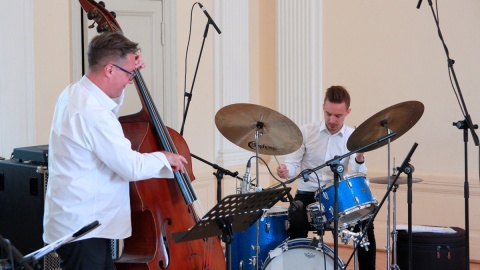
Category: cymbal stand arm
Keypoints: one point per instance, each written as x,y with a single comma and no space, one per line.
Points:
304,174
257,139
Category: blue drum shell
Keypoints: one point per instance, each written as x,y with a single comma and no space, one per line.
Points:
272,232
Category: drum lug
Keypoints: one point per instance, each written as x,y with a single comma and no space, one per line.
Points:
349,184
325,195
267,227
253,260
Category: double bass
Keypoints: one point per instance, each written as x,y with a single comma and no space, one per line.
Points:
159,207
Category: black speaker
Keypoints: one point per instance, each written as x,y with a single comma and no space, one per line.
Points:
23,183
22,196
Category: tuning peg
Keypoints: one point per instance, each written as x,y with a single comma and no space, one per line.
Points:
114,14
101,28
92,15
101,3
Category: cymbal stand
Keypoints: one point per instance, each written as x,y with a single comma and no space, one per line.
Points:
389,248
260,126
394,230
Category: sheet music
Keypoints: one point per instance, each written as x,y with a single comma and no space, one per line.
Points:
421,228
37,255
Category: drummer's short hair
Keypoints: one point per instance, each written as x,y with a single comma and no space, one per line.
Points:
337,94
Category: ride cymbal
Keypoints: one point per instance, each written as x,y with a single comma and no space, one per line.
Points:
400,181
239,122
398,118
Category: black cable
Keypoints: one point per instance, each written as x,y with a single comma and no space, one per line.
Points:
186,58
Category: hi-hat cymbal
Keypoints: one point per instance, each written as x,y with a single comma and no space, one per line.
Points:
239,122
398,118
400,181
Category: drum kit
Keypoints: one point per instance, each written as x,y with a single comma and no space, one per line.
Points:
265,245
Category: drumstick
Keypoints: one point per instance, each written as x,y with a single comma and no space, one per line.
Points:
277,160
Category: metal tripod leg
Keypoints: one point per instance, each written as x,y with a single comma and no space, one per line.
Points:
394,230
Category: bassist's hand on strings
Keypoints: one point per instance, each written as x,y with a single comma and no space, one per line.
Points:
176,161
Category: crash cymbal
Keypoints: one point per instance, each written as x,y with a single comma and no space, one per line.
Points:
400,181
239,122
398,118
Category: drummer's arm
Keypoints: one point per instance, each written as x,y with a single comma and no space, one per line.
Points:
360,158
287,170
357,164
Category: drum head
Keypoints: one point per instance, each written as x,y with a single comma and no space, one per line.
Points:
300,255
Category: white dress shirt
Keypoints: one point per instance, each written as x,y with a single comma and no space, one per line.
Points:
318,147
90,164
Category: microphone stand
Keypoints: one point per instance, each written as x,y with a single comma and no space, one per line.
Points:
403,168
408,170
189,95
219,175
337,169
304,174
14,255
465,124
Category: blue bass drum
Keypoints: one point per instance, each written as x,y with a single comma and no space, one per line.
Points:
355,201
272,231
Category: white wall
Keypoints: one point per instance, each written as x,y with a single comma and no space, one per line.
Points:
17,92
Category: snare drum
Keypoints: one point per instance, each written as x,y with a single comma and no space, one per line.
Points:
355,201
273,227
300,254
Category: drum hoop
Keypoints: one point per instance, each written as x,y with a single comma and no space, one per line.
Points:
276,211
328,250
346,177
359,207
345,213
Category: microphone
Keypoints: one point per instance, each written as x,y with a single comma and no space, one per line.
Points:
246,179
419,4
210,19
295,206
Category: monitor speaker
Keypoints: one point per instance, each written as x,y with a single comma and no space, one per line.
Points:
23,183
22,197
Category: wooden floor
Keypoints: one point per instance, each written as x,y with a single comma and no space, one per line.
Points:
344,253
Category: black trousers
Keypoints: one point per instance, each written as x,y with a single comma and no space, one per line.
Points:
300,226
88,254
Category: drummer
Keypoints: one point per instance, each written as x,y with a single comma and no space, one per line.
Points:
322,142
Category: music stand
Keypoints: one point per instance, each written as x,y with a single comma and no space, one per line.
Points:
35,256
234,213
